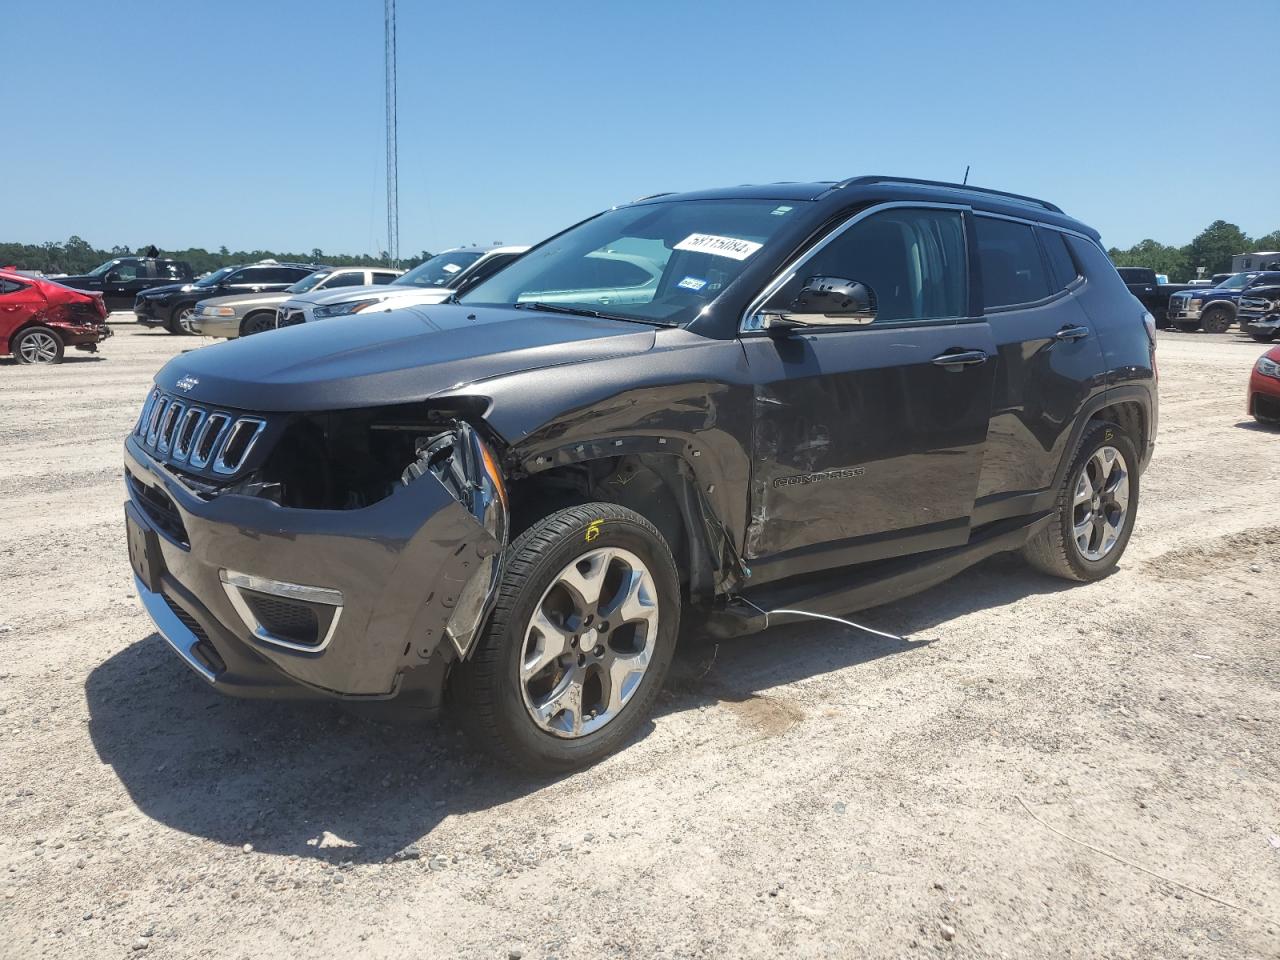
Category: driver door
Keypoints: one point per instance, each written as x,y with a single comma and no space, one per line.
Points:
869,437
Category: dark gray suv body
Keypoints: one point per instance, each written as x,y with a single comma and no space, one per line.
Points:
837,394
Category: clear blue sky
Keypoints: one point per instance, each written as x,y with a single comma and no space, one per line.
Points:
260,124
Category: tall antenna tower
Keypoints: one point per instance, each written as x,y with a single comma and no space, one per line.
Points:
393,160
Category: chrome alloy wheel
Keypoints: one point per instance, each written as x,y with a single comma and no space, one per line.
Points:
588,644
1100,503
185,318
39,347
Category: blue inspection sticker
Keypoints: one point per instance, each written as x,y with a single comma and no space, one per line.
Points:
692,283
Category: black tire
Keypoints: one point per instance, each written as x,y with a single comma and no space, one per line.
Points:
1217,319
259,322
487,687
1054,550
1264,337
37,345
175,319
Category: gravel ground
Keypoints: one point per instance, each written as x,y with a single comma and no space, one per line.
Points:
811,791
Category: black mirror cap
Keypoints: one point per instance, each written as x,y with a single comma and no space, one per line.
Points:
836,297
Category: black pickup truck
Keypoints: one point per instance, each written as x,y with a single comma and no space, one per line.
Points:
121,279
1142,283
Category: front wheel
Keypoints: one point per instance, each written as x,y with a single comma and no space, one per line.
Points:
180,319
1217,320
582,632
1096,506
257,323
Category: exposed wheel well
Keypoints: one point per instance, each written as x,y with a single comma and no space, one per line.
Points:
656,486
1131,418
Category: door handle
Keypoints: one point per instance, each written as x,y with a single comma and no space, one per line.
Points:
1072,333
963,358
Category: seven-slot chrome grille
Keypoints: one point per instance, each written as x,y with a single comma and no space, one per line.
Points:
197,436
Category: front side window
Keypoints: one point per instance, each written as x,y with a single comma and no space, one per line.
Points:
912,261
1013,271
124,273
659,262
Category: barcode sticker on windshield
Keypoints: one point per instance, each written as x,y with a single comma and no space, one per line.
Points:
729,247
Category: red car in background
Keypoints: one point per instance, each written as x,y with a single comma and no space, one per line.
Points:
39,319
1264,388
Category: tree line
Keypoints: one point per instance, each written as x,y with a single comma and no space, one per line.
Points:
1212,248
78,256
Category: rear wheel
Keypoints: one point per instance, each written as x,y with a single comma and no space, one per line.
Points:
1096,506
1217,319
582,632
257,323
37,345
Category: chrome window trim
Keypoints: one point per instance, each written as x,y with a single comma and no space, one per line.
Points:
233,582
751,320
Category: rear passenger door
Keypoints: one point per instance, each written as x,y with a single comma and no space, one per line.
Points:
1049,360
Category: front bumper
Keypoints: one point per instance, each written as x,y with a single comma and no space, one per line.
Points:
149,313
398,569
216,326
1269,323
1178,314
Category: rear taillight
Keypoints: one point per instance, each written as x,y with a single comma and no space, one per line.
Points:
1149,322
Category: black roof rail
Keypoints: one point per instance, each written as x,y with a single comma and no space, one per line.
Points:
1021,198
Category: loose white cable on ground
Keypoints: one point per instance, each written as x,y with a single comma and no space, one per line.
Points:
822,616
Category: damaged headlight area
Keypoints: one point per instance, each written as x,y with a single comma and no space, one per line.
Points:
351,459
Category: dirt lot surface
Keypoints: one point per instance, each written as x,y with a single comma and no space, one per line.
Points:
808,792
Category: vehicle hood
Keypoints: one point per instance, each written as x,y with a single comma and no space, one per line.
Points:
394,357
256,299
343,294
1269,291
167,289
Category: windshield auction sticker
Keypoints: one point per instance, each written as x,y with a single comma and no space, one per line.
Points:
729,247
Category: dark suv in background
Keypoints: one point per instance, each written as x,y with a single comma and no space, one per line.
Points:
834,394
173,306
121,280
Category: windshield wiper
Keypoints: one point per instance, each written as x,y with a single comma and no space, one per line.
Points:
583,312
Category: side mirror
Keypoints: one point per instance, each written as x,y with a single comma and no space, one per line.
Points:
826,302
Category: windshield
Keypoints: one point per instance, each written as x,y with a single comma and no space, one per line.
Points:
213,278
655,262
309,281
100,270
1237,282
440,270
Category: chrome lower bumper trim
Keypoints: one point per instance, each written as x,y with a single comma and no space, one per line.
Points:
173,630
233,581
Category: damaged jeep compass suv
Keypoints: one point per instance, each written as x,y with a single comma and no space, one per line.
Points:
832,395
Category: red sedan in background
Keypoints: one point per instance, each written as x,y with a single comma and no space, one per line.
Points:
39,319
1264,388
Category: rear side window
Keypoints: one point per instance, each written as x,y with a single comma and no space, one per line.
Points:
381,278
11,286
1062,268
168,270
1013,271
